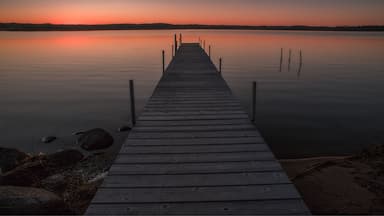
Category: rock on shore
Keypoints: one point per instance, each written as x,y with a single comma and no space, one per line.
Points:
341,185
31,201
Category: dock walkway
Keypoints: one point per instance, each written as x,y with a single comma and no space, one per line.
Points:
195,151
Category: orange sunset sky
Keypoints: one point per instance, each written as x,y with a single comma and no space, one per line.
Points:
242,12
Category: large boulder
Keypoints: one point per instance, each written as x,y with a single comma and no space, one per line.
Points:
64,158
57,183
31,172
95,139
24,200
10,158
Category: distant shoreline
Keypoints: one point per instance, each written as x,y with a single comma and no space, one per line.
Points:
165,26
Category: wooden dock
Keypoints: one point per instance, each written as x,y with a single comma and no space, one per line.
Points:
195,151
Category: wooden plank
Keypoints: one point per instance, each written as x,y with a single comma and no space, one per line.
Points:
196,117
129,149
198,106
197,194
260,207
195,180
193,157
193,134
194,141
194,128
192,113
222,122
194,168
194,102
189,109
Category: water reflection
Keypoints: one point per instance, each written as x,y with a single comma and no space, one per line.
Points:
60,82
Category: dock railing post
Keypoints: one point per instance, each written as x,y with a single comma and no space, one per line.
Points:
181,39
209,52
204,45
220,64
163,52
132,97
175,44
254,86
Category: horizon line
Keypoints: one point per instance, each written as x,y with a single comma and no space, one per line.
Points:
190,24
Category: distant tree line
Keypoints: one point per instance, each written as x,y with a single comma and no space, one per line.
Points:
159,26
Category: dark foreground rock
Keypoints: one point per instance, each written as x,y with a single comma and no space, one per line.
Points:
60,183
24,200
32,171
10,158
95,139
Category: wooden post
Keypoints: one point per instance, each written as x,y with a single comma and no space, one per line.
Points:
132,94
300,65
289,59
281,59
181,39
173,51
220,64
301,58
175,44
254,86
163,61
204,44
209,51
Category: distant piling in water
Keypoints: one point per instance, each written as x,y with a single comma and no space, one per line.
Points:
281,59
289,59
300,64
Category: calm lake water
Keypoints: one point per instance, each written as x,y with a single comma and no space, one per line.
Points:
56,83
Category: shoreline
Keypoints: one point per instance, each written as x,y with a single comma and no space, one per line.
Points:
166,26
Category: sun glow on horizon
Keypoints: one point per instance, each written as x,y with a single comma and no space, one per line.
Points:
224,12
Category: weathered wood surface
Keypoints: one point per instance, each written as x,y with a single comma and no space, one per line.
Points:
195,151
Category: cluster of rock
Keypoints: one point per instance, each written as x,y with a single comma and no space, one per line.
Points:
60,183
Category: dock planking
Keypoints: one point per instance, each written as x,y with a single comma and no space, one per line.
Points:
195,151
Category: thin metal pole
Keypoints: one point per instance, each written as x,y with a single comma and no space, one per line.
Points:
132,94
220,64
163,61
254,86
